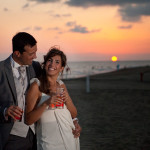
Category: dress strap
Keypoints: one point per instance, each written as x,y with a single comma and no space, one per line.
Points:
60,82
38,82
35,80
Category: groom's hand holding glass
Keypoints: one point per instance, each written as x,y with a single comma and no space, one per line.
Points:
15,112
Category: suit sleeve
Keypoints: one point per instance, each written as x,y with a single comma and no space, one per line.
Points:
37,68
5,100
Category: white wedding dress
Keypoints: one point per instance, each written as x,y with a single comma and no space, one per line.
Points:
54,128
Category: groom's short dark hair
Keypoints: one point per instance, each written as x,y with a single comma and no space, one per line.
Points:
21,39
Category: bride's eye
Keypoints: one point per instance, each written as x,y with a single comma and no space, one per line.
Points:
49,60
57,61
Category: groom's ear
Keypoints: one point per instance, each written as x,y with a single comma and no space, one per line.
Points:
17,53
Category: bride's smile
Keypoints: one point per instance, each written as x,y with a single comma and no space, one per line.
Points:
53,65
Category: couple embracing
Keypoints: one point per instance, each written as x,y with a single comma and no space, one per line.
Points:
27,92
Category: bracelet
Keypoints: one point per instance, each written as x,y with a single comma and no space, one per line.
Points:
75,119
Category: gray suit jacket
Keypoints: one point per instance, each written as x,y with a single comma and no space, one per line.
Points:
8,94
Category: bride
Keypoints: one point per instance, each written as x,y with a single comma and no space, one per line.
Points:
53,126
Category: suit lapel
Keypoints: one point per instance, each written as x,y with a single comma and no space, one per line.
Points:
28,76
10,78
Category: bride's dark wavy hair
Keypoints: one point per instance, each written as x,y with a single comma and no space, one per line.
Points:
44,84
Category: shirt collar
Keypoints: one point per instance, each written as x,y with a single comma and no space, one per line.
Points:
14,64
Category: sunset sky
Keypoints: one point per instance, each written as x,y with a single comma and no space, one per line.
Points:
86,30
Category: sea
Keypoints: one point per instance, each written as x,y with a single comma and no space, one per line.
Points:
87,68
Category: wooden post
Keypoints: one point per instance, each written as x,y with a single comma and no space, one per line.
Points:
141,76
87,83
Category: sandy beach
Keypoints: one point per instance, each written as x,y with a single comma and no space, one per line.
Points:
115,114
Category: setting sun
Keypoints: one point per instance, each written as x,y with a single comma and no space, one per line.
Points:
114,58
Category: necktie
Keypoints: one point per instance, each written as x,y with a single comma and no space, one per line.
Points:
20,95
22,74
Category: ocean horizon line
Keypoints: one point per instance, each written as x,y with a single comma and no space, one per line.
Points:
84,61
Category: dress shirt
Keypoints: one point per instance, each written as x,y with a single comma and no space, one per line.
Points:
15,71
15,66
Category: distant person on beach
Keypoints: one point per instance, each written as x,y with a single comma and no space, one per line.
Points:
53,125
14,133
118,66
15,73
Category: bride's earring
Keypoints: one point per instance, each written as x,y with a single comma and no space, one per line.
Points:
60,73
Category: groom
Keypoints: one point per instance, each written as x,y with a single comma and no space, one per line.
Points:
14,134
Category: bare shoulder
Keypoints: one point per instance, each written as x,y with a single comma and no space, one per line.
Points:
34,89
34,85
